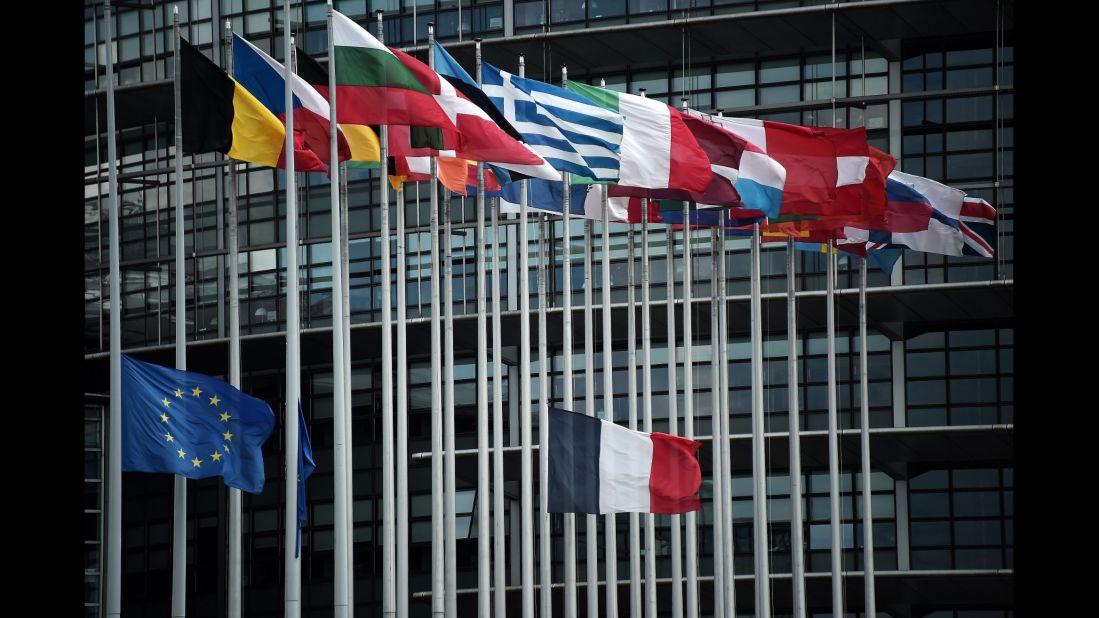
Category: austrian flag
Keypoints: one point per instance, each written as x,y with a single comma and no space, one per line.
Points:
596,466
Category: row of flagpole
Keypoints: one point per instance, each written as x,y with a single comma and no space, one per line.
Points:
395,491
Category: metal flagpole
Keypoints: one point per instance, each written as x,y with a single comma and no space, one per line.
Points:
864,445
647,406
449,522
545,589
342,537
673,424
292,564
179,501
592,532
389,587
723,410
833,442
235,498
114,442
716,433
484,529
402,409
759,463
543,370
569,541
345,292
437,575
631,388
796,527
498,590
526,499
688,411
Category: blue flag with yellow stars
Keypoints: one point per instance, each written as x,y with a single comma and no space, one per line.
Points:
190,424
305,470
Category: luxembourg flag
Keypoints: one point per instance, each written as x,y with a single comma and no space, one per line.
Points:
596,466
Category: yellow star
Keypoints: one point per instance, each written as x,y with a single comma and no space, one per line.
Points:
214,400
182,453
196,462
226,447
163,418
169,437
225,416
179,393
216,456
196,391
228,435
166,402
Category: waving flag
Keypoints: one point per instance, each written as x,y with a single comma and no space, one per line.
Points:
361,139
757,178
570,132
306,466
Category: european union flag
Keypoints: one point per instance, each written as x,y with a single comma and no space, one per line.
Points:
190,424
305,470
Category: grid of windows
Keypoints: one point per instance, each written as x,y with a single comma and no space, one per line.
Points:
962,518
960,377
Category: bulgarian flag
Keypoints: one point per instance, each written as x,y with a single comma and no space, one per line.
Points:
373,86
657,151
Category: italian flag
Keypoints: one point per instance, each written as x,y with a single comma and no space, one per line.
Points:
373,86
658,151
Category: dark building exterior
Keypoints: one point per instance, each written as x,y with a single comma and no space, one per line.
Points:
932,82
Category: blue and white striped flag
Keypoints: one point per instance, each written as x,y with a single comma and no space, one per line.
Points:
570,132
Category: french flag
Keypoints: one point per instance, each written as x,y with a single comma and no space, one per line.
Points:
596,466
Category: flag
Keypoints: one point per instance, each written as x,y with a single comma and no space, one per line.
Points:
190,424
596,466
373,86
220,115
757,178
361,139
546,196
456,174
306,465
570,132
265,78
657,150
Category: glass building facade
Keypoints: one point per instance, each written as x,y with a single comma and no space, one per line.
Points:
937,93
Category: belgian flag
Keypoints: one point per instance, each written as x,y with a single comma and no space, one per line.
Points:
219,115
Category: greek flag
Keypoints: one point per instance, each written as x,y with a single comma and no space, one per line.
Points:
569,131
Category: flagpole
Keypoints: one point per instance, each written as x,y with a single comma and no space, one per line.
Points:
114,443
437,575
342,540
796,530
498,589
543,377
759,462
723,410
345,292
484,529
833,441
526,500
647,406
864,439
402,410
688,410
592,540
292,565
545,589
673,422
449,525
235,498
631,389
716,432
179,501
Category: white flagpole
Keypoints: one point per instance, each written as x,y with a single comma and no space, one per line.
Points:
864,444
345,293
114,419
235,498
342,536
292,564
449,526
498,590
688,411
647,406
484,529
716,432
673,424
759,462
179,501
526,498
631,389
389,585
402,409
543,371
437,574
544,550
833,442
592,532
796,530
723,411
